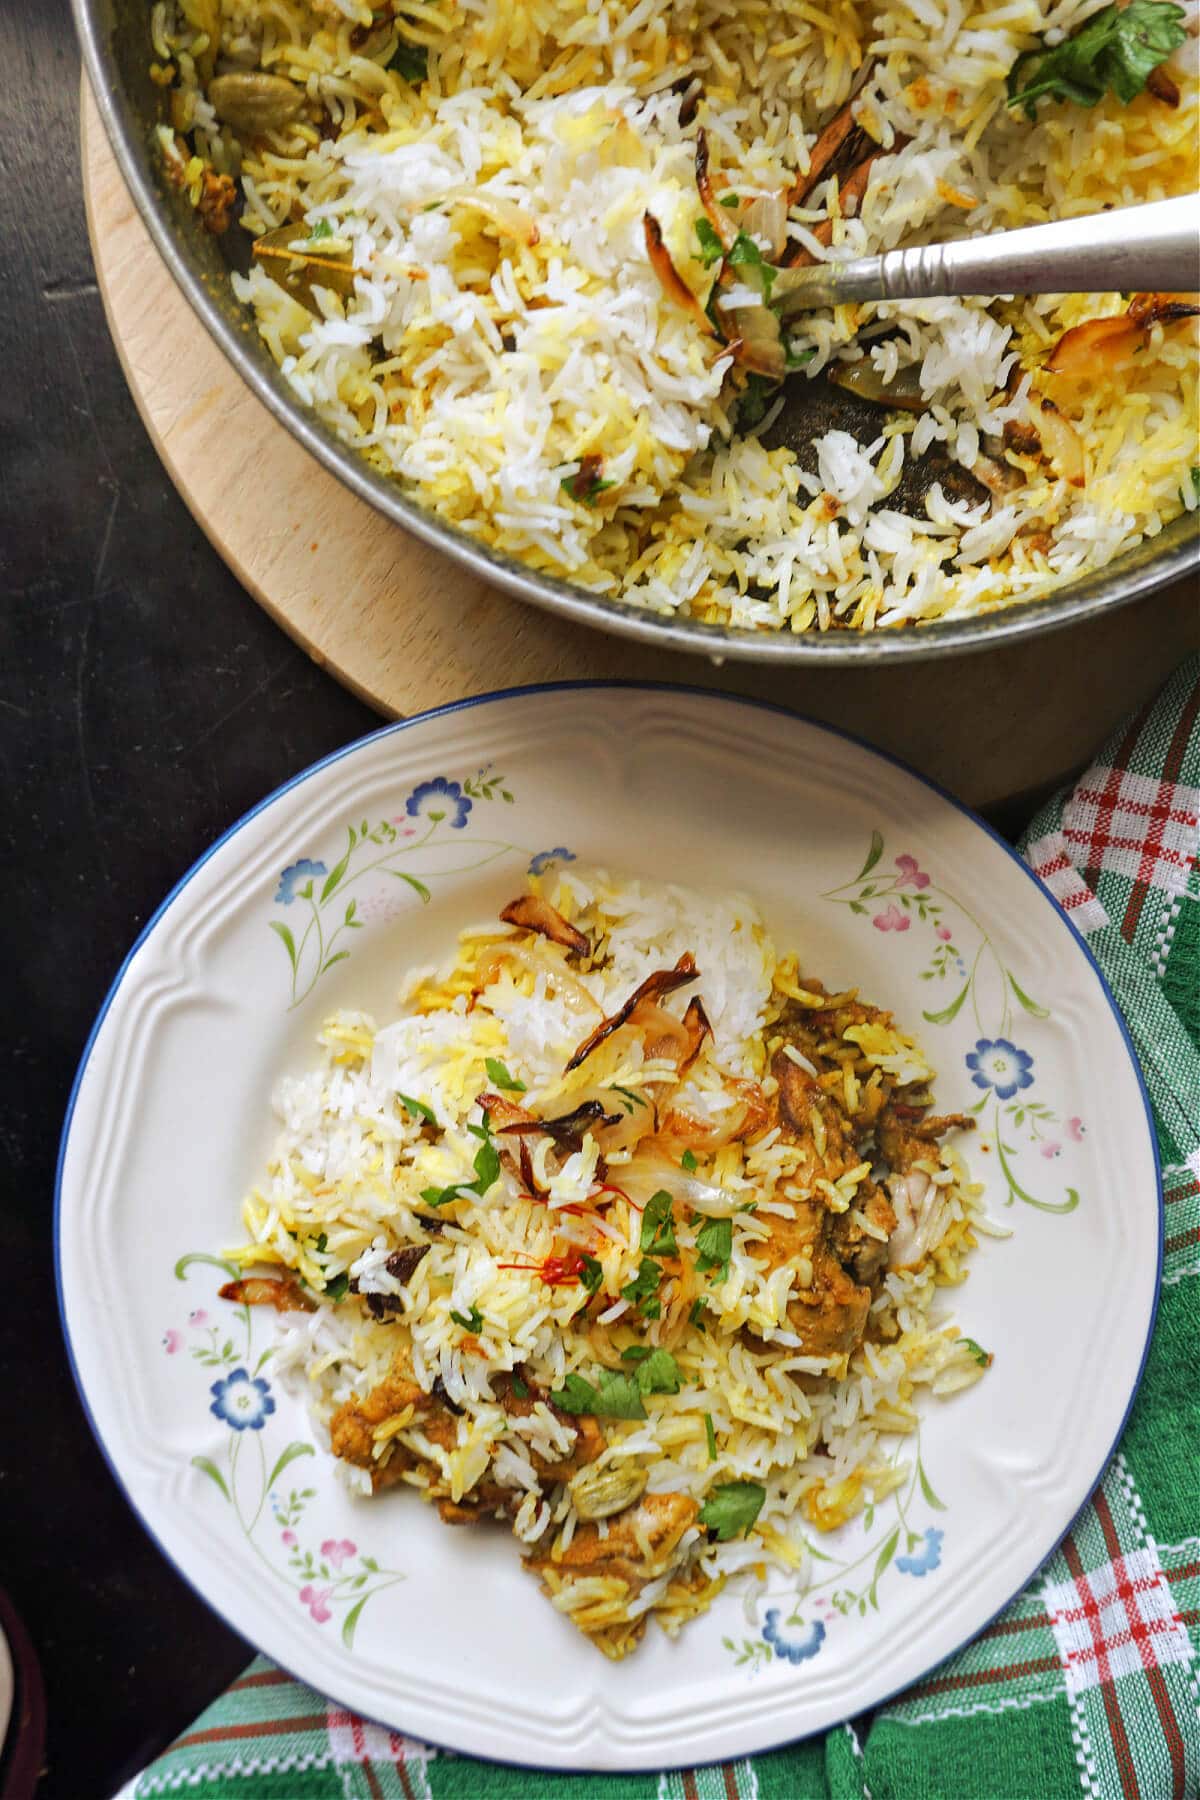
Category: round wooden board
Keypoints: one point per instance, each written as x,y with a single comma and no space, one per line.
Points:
407,629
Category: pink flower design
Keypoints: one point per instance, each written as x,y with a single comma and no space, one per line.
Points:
317,1602
199,1317
944,933
910,872
336,1550
1075,1130
891,919
172,1342
289,1537
1051,1148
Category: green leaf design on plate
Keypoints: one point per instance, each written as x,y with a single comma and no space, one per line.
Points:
289,942
333,879
297,1448
931,1497
209,1468
1031,1006
881,1562
948,1012
350,1622
873,855
417,886
200,1256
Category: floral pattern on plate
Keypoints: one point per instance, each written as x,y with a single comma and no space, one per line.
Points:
332,1578
960,953
378,853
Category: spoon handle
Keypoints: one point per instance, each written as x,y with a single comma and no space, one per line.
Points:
1138,249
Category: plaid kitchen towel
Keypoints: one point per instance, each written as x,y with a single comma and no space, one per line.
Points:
1086,1685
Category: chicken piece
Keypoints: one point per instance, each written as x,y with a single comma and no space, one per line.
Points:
642,1543
828,1312
352,1427
864,1255
590,1440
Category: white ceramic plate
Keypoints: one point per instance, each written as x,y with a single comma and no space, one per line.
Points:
427,826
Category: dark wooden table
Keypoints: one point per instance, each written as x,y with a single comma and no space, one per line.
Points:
145,704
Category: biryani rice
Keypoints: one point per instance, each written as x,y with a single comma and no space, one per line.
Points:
357,1163
505,322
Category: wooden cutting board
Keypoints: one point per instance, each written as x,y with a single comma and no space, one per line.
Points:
406,628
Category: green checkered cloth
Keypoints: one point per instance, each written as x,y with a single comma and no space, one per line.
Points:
1087,1683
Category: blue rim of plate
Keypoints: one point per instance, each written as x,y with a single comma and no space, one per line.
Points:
559,687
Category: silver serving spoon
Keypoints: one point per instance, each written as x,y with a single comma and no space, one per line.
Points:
1136,249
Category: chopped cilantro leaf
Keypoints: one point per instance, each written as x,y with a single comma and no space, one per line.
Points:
322,1244
472,1321
797,359
757,395
410,61
635,1353
629,1095
418,1109
591,1275
980,1355
520,1388
642,1291
696,1314
711,1434
714,1242
745,254
1118,49
732,1508
658,1373
434,1196
711,247
616,1396
687,1161
337,1288
729,200
500,1075
658,1226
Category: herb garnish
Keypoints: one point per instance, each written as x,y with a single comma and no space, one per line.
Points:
732,1508
628,1095
757,395
487,1171
711,247
980,1355
498,1074
337,1288
618,1395
418,1109
714,1242
687,1161
696,1313
1118,49
642,1291
658,1226
711,1434
591,1274
410,61
586,484
744,253
472,1321
519,1388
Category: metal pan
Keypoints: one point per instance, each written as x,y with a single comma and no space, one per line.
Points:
116,49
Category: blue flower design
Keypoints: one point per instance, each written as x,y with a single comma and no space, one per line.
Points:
439,799
242,1400
795,1650
296,873
923,1560
995,1063
541,862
